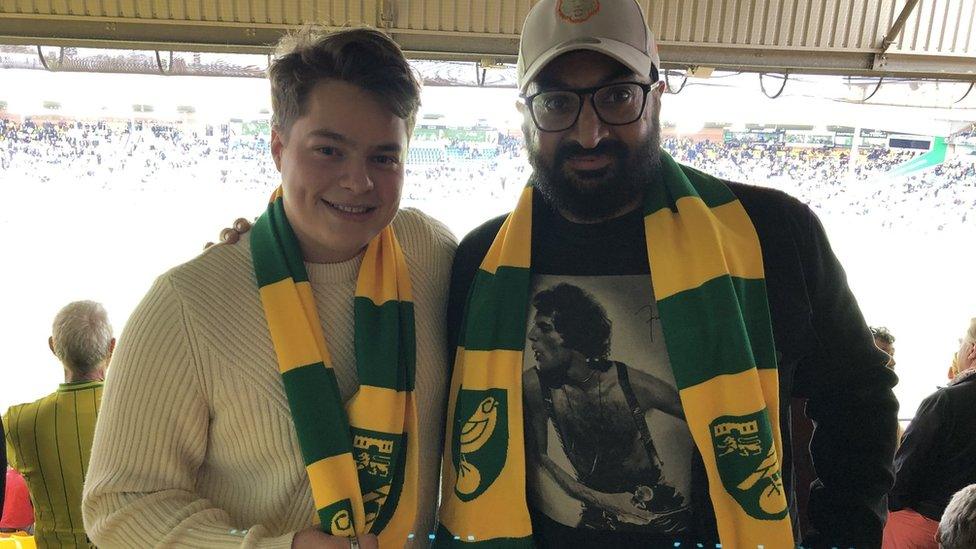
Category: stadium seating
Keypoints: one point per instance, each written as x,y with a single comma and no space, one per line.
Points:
127,154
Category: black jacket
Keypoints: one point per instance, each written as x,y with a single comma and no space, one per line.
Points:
937,456
826,355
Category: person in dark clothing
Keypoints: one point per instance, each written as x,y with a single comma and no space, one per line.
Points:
592,165
937,456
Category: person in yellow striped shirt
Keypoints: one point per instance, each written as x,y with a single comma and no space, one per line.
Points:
49,440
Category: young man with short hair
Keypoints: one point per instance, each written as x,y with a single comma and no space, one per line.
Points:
286,391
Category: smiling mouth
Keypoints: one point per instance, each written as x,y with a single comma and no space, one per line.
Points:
586,169
350,209
589,161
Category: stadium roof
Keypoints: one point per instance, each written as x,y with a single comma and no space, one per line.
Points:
906,38
725,99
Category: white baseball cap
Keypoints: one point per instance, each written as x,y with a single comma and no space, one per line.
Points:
616,28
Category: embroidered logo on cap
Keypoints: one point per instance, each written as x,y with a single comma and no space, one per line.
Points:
577,11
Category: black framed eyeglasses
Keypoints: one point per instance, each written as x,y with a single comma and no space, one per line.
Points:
616,104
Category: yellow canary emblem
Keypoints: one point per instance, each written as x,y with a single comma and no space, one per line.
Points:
480,440
479,427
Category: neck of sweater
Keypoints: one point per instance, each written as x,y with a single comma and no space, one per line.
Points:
324,273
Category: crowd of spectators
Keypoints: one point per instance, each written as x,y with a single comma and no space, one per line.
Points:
131,153
136,153
495,178
825,179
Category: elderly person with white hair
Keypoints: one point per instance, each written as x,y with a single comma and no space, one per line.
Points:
49,440
937,456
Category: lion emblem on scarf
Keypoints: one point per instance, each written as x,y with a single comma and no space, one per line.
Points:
748,464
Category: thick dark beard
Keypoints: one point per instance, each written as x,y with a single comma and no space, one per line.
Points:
608,191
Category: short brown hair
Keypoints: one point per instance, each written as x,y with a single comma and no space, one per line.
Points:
360,56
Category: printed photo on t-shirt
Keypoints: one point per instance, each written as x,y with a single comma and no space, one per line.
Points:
607,444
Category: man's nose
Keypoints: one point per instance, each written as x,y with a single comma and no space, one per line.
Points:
589,129
357,178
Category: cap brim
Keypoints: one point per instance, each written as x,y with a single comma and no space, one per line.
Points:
630,57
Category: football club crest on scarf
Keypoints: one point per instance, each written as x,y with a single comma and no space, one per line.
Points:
748,466
577,11
379,458
481,438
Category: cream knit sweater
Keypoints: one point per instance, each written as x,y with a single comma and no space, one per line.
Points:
195,445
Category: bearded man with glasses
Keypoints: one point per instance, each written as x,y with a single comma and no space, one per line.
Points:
728,294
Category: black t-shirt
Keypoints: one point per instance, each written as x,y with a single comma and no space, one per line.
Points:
561,247
609,454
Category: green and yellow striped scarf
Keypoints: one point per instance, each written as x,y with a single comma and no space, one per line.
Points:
707,269
361,460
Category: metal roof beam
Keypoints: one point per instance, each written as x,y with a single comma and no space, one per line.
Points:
854,63
898,25
909,64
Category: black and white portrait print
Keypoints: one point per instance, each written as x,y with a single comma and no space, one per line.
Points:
607,444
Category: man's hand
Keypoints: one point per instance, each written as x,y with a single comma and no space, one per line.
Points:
313,538
622,505
230,235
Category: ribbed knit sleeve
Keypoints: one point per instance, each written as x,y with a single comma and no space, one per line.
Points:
151,440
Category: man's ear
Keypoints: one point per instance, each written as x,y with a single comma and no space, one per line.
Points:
659,87
277,143
111,347
528,126
50,344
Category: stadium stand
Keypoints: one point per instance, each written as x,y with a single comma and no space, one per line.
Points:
153,152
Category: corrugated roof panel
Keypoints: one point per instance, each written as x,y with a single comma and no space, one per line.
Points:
955,19
446,16
958,37
939,27
867,25
843,12
477,16
815,35
835,24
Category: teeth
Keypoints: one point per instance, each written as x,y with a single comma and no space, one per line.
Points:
349,209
